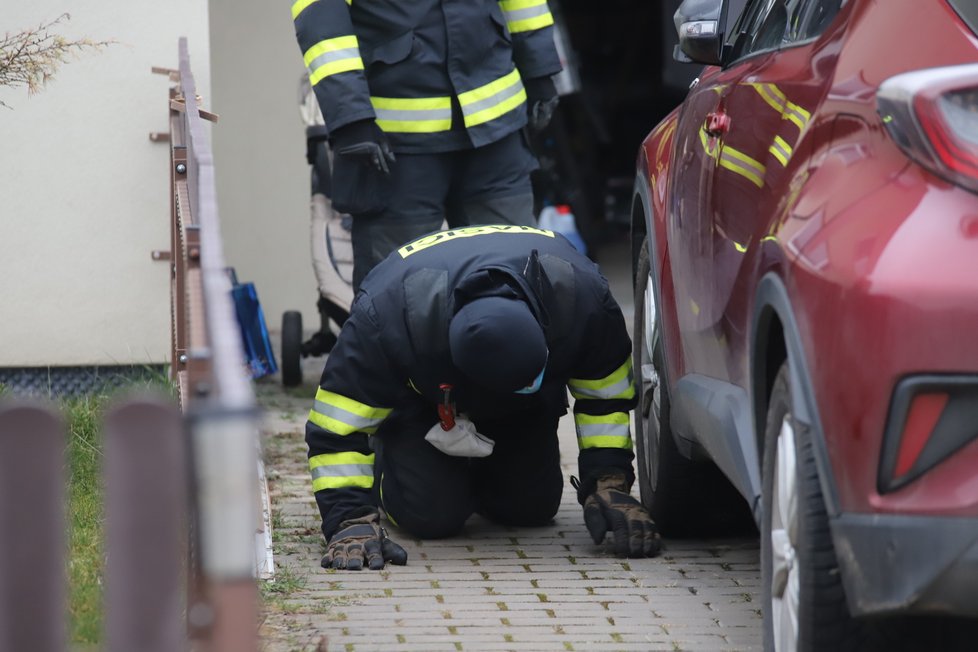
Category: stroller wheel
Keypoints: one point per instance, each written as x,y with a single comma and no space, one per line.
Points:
291,348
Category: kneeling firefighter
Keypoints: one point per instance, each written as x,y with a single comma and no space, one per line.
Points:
442,395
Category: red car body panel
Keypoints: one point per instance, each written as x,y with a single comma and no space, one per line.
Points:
879,256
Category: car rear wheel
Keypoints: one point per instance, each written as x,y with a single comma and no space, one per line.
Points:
805,605
684,497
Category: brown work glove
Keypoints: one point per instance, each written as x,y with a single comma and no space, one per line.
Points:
612,508
358,539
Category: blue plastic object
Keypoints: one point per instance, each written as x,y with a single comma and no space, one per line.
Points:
561,220
254,333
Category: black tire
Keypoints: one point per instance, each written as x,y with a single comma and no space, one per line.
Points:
685,498
823,617
291,348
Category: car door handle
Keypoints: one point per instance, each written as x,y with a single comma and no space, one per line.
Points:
717,123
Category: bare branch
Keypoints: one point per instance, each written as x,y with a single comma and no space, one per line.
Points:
30,58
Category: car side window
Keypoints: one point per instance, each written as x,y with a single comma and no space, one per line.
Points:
772,24
761,27
815,16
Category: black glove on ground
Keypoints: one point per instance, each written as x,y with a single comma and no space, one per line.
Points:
362,538
612,508
364,142
541,101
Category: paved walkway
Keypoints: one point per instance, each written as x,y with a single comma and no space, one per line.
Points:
493,588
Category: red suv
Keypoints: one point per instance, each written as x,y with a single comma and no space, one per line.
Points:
805,230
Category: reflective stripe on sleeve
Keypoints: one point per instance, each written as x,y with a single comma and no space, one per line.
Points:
492,100
343,416
603,431
526,15
617,384
745,166
409,115
781,150
299,5
331,57
337,470
776,98
710,145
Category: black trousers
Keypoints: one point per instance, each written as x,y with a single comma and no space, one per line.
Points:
430,494
486,185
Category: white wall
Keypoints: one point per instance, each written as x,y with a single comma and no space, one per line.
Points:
84,192
259,152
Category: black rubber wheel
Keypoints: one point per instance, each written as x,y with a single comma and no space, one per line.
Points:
683,496
291,348
804,602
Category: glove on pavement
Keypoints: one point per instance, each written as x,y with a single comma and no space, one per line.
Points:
611,508
542,100
364,142
362,538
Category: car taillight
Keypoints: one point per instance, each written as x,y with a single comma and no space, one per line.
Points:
930,419
933,116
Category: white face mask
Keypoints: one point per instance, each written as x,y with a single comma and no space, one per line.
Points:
461,440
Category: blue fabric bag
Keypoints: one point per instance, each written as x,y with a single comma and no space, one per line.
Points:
257,345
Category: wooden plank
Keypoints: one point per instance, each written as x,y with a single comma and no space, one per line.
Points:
146,482
32,527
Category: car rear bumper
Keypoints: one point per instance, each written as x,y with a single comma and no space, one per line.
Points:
908,564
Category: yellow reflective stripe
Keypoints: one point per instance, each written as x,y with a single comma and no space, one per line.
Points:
413,115
343,416
298,6
526,15
705,140
771,94
776,98
615,418
743,165
362,481
467,232
339,470
411,104
605,441
492,100
335,459
332,56
797,115
348,404
781,150
603,431
617,384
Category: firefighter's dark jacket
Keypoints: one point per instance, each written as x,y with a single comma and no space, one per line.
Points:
393,351
437,75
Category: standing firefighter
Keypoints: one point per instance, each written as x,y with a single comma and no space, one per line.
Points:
442,396
446,86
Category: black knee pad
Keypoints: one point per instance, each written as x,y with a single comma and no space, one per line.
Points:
438,524
523,510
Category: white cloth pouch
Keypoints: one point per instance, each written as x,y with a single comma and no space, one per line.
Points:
462,440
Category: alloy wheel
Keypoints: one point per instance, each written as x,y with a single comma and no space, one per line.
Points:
649,378
785,586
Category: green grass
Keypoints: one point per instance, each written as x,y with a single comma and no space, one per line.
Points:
86,535
85,519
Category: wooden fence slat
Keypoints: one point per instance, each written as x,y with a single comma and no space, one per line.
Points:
146,480
32,528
